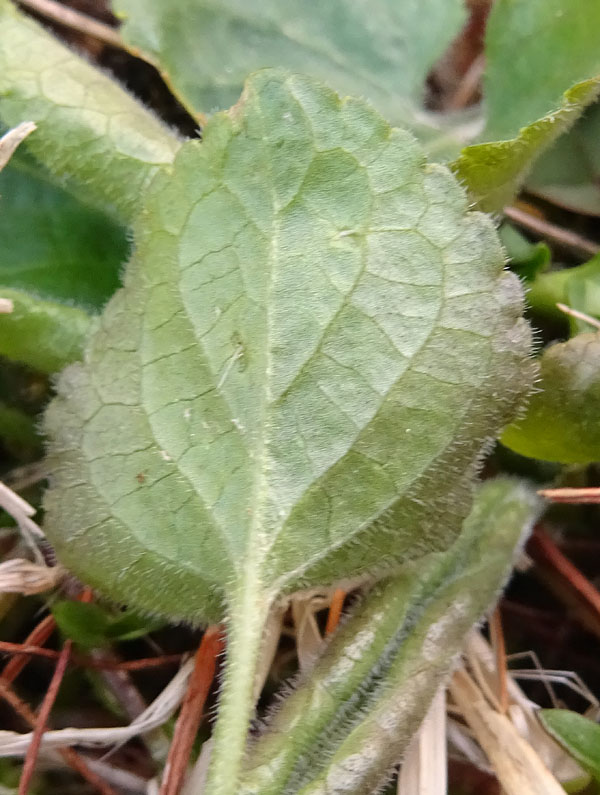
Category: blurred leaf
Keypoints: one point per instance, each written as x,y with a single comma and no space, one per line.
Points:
84,623
494,172
536,50
54,246
18,432
42,334
130,625
569,174
579,735
381,50
562,419
578,288
94,626
527,259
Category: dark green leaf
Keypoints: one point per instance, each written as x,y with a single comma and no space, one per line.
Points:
54,246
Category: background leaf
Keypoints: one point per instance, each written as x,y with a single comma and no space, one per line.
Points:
569,174
494,172
535,51
93,626
577,287
561,422
54,246
381,50
45,335
579,735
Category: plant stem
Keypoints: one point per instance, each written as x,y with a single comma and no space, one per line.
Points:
248,617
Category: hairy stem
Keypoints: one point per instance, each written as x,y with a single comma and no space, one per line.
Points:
248,617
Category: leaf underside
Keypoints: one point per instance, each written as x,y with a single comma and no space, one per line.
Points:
314,343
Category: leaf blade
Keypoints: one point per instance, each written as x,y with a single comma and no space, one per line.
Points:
249,355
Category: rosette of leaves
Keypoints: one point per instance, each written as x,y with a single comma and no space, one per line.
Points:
314,345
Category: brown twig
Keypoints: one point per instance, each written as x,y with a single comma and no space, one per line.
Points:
335,610
88,662
499,647
42,719
565,579
579,315
75,20
579,245
191,710
70,756
468,85
36,637
570,495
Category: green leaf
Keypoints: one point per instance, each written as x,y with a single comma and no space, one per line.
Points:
381,50
580,737
18,433
91,133
577,287
527,259
377,677
494,172
548,49
54,246
130,625
535,51
84,623
310,307
93,626
334,301
43,334
561,422
569,174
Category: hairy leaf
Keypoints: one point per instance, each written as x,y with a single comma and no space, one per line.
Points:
93,133
494,172
381,50
314,344
579,735
376,679
561,423
310,307
535,51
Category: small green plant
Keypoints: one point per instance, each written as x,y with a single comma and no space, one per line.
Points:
314,344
